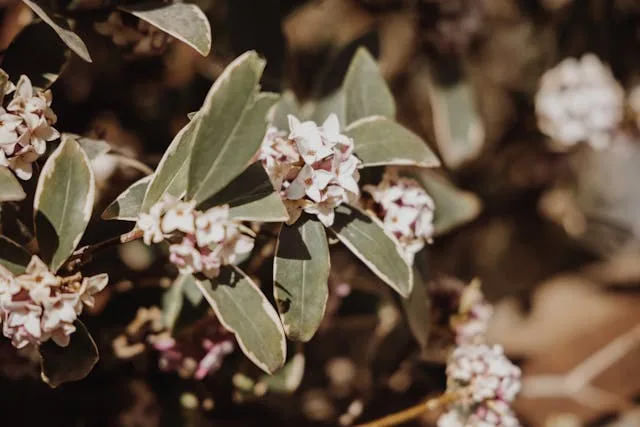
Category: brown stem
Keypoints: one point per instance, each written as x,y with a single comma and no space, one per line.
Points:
412,412
84,255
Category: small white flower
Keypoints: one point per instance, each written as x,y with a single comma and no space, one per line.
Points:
180,217
309,182
308,138
210,225
150,226
186,256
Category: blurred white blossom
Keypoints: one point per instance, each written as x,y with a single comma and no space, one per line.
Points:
472,321
26,125
312,166
406,210
37,305
579,100
202,241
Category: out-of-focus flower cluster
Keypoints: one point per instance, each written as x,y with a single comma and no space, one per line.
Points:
26,125
579,100
205,240
406,210
480,378
38,305
198,354
313,166
141,37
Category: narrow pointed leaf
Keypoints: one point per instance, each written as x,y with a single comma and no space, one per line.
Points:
381,141
72,363
94,148
10,188
364,235
70,38
13,256
366,92
128,205
251,197
417,309
287,379
243,309
287,104
319,110
301,275
63,202
185,22
454,207
179,308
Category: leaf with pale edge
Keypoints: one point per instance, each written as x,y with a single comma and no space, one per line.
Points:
381,141
244,310
72,363
126,207
366,238
301,275
366,92
251,197
288,379
417,309
70,38
185,22
10,188
63,202
13,256
93,147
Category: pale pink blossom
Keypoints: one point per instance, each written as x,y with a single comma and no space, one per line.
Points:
179,217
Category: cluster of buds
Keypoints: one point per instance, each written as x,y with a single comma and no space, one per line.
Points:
313,167
26,125
481,379
141,37
405,209
580,101
198,354
204,241
38,305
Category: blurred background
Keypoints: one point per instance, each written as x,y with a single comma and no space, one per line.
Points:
552,233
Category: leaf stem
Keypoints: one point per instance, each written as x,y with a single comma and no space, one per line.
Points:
85,254
412,412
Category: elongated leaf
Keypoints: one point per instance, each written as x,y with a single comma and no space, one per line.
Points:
454,207
63,202
244,310
251,197
94,148
128,205
417,308
364,235
13,256
72,363
458,127
287,104
365,90
70,38
10,188
287,379
179,307
381,141
185,22
171,174
319,110
301,275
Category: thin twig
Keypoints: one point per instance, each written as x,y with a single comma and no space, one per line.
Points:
85,254
412,412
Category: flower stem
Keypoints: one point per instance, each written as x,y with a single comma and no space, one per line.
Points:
412,412
84,255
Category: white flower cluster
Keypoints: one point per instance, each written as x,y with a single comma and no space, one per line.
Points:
208,240
494,414
37,305
313,166
25,127
406,210
144,39
579,101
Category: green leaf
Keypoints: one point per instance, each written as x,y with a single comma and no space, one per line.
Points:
229,138
301,275
367,94
171,174
63,202
365,236
454,207
13,256
94,148
70,38
417,309
127,206
287,104
179,307
288,379
243,309
10,188
185,22
458,128
72,363
251,197
381,141
319,110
